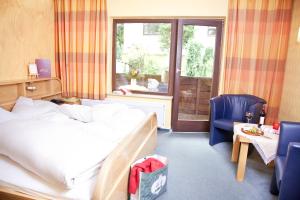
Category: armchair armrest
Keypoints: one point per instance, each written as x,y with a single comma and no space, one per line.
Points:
289,132
217,108
289,186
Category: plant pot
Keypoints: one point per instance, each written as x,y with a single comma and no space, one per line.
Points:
133,81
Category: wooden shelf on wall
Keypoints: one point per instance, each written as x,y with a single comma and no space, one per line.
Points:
45,88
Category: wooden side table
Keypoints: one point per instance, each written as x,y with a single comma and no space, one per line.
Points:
266,146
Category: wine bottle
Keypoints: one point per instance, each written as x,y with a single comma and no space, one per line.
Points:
262,116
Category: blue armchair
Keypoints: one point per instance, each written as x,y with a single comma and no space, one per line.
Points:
286,176
229,108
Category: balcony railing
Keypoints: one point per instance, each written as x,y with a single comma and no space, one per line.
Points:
194,97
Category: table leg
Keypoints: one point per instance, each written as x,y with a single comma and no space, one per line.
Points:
235,150
242,161
271,164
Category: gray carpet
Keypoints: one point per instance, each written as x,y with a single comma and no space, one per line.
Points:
199,171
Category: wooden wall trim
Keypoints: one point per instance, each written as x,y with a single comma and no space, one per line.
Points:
46,88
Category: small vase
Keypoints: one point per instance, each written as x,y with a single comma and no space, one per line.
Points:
133,81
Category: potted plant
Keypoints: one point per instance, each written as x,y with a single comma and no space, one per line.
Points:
135,63
133,74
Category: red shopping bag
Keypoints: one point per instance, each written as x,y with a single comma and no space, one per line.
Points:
148,178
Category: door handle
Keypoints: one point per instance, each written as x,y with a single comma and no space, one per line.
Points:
178,70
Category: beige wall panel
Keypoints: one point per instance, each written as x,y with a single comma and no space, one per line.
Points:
290,101
26,33
167,8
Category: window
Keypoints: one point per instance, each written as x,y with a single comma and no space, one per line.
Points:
144,59
142,55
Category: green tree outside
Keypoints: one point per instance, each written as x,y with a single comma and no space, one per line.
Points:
120,40
198,59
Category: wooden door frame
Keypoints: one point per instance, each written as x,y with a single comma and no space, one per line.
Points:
191,125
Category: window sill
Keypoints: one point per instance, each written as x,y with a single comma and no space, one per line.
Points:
142,96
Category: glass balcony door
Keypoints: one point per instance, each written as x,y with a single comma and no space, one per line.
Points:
197,73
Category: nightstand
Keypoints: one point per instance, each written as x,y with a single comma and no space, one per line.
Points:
67,100
71,100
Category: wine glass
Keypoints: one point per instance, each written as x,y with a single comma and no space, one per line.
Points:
249,116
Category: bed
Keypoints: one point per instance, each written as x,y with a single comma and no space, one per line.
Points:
112,179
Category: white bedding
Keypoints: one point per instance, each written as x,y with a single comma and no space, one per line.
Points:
63,151
15,176
58,152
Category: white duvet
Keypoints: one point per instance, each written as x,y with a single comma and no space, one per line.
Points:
62,150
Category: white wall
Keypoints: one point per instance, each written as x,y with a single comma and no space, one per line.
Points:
168,8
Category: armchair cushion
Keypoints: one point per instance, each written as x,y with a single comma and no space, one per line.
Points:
225,124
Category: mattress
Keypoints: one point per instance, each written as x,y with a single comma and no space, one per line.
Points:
15,176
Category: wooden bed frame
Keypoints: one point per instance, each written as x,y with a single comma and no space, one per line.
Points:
112,180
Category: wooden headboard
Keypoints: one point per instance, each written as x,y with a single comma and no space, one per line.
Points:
46,88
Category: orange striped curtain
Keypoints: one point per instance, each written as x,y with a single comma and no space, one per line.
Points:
80,47
257,43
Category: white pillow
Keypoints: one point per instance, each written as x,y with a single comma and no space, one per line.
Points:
6,115
78,112
21,103
28,108
45,105
103,112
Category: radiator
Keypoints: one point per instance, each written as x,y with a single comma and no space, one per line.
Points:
146,107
